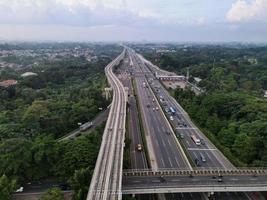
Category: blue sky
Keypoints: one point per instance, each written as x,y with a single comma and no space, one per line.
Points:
134,20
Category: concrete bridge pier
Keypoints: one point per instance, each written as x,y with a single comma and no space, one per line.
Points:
108,93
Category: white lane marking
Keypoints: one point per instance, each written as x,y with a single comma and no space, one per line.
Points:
170,162
199,149
189,128
169,142
187,143
137,181
163,143
175,180
177,162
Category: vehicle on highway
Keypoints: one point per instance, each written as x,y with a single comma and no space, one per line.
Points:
181,135
195,139
148,105
139,147
202,158
162,179
171,118
220,180
144,84
166,110
172,110
197,162
153,100
157,108
85,126
202,141
153,109
19,190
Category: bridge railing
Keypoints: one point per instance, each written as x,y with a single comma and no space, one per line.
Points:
196,172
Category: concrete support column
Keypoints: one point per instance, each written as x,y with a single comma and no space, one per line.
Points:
107,93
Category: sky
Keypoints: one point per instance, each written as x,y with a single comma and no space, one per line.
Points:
134,20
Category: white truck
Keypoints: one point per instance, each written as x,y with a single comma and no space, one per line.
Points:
85,126
195,139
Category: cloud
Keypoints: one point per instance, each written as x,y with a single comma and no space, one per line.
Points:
242,11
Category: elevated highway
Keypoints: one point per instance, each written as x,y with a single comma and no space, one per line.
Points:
210,181
107,176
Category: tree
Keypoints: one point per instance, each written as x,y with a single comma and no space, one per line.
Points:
53,194
6,187
80,184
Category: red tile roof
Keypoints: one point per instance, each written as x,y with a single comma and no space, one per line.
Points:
7,83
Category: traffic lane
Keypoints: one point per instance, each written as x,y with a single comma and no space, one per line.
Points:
156,131
146,119
218,160
151,128
187,181
171,158
138,156
183,196
172,155
195,151
138,159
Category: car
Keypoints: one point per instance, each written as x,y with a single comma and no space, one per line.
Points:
19,190
162,179
64,186
166,109
181,135
171,118
153,100
157,108
197,162
153,109
202,141
139,147
220,180
202,158
148,105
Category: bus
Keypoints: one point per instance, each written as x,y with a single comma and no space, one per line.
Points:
195,139
172,110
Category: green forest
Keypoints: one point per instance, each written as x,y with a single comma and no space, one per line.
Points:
232,111
40,109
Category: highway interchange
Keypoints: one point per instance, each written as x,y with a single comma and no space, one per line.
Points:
166,142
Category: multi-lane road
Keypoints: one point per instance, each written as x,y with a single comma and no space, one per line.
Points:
164,150
206,153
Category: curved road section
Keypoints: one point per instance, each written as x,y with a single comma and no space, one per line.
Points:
107,177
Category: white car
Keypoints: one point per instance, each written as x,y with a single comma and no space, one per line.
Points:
157,108
171,118
20,189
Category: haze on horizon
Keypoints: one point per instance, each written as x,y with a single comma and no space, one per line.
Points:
134,20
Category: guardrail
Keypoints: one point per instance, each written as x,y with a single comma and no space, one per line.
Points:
198,172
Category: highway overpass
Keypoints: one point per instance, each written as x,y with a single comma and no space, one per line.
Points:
182,181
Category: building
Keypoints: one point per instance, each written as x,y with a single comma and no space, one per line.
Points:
8,83
27,74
